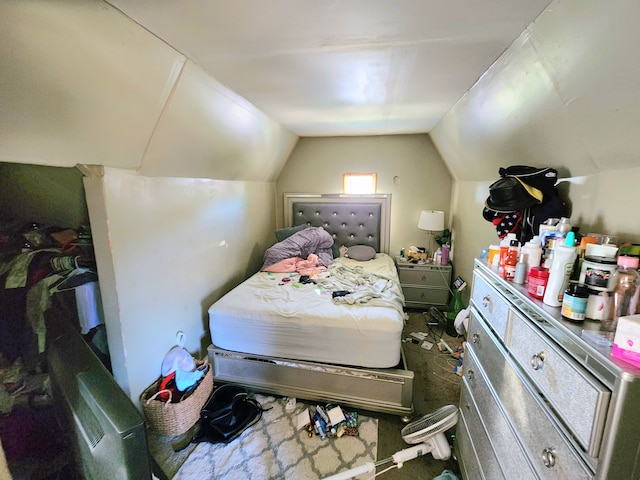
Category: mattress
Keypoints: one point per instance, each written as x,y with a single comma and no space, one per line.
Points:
268,315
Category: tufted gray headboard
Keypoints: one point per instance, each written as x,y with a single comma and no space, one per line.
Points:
350,219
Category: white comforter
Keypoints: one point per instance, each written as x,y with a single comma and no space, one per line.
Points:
268,315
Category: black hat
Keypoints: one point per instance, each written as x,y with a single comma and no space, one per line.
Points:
509,194
542,178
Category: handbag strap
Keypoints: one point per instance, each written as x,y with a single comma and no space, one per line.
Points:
153,397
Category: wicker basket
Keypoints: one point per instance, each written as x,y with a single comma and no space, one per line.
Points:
169,418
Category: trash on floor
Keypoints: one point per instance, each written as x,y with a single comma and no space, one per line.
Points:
328,421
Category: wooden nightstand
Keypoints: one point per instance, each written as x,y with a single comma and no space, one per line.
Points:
424,285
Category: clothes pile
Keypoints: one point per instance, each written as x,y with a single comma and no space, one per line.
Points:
522,199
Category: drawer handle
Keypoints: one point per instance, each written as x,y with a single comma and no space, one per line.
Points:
424,278
486,301
549,457
470,374
537,361
475,337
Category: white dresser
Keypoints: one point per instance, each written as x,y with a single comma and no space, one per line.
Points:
542,397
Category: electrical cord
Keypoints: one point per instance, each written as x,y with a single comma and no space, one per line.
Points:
383,471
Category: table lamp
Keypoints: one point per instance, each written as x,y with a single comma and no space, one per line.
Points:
431,221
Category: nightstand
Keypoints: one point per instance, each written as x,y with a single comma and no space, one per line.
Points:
424,284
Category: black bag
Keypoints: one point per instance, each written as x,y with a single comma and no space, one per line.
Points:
228,412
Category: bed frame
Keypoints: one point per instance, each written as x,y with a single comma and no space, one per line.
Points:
352,220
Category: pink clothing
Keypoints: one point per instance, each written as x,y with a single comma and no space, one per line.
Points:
309,267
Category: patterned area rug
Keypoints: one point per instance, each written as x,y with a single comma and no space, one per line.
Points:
274,448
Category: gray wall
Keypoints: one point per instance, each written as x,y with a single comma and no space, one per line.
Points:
408,167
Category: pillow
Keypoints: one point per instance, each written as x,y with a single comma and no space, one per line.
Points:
361,253
285,233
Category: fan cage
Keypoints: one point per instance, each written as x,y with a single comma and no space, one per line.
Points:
431,424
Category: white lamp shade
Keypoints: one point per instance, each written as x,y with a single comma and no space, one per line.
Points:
432,220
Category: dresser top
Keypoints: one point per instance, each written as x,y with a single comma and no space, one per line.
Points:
585,341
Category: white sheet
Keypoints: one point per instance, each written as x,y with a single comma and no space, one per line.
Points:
265,316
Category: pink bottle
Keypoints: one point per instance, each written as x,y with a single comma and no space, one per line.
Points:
444,259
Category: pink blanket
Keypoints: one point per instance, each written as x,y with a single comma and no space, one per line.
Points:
309,267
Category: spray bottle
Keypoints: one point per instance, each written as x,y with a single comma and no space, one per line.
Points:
564,257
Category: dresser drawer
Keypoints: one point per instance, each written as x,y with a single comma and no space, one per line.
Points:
427,295
477,397
578,398
549,451
470,463
491,304
421,275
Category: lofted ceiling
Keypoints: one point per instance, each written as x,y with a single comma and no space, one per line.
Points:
341,67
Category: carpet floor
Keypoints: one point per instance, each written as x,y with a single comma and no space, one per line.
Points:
274,448
435,384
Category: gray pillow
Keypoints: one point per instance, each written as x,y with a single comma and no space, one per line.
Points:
285,233
361,253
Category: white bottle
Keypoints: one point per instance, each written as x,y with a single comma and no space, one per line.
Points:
563,258
564,226
533,252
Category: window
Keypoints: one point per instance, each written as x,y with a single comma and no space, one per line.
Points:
359,183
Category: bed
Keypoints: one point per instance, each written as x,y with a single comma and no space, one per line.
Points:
285,332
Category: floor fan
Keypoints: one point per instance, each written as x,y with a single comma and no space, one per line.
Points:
427,436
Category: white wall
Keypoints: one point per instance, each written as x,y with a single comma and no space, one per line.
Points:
408,167
564,95
83,84
167,248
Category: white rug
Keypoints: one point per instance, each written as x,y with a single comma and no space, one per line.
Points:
274,448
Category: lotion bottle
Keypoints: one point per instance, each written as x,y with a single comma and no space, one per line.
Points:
564,257
521,269
533,251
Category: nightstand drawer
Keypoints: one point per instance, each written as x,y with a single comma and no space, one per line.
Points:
425,295
434,277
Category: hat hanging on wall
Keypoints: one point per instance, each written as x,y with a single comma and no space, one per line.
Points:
510,194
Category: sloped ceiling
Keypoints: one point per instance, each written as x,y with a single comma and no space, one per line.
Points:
224,89
341,67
